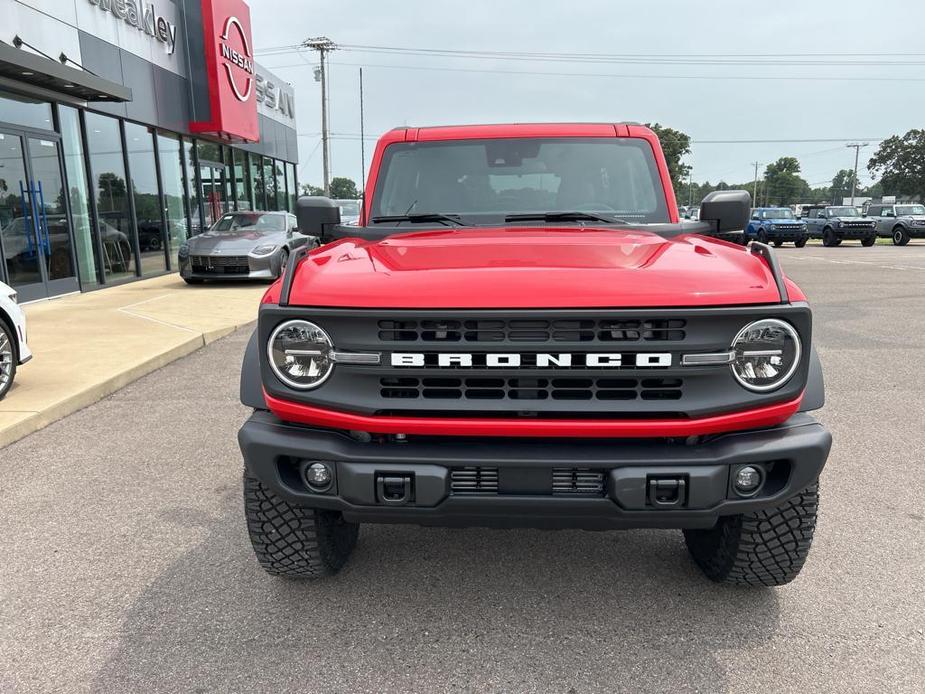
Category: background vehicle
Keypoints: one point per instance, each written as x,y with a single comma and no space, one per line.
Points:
899,222
834,224
242,245
776,225
521,333
13,348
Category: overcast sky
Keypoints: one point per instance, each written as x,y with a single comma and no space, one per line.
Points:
711,107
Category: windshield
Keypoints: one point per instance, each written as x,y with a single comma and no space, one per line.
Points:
251,221
777,213
902,210
483,181
349,208
844,212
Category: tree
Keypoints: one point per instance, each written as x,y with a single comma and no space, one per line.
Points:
841,185
900,164
675,145
344,189
783,182
309,189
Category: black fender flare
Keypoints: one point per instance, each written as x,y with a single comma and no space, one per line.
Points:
814,395
251,383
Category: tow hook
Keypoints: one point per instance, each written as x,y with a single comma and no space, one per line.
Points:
667,491
395,489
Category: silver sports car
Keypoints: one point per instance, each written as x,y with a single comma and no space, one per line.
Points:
242,245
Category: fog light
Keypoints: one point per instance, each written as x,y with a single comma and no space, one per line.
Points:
747,480
318,476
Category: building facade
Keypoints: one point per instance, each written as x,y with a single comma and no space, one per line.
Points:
125,127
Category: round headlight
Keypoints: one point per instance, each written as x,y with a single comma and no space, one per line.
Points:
767,352
301,354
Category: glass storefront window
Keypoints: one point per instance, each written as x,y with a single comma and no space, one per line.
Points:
148,221
174,200
291,186
258,194
192,186
109,188
280,175
228,179
242,189
78,192
21,110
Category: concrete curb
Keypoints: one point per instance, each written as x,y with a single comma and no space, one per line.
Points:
98,391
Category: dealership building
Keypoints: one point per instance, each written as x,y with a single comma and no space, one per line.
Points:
125,127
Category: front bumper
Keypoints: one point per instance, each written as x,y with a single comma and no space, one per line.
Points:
787,234
855,234
793,454
258,268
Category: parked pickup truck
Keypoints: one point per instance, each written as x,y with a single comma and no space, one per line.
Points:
776,225
898,222
519,332
834,224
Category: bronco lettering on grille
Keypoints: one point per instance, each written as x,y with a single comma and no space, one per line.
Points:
596,360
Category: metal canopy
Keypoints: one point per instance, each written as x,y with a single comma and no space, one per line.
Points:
34,70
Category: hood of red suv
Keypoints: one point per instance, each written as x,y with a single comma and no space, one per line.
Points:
531,267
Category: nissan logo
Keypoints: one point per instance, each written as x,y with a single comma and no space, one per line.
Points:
237,61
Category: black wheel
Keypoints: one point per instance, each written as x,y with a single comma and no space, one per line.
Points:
762,236
778,243
293,540
283,261
193,280
764,548
799,243
869,241
900,236
7,358
828,238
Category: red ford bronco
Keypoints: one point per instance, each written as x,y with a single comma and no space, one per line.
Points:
520,332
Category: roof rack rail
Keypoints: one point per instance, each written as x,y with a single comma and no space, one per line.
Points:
766,252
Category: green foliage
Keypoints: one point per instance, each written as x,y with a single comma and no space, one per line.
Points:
783,184
309,189
900,164
344,189
675,144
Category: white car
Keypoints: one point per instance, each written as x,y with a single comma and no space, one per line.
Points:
13,347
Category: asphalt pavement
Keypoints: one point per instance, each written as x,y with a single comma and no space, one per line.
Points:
126,567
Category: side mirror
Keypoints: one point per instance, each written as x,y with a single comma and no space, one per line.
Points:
316,214
729,209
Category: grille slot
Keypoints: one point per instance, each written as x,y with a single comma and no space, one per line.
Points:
405,388
573,481
474,480
532,331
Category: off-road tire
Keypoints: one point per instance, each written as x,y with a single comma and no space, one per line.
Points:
799,243
900,236
829,239
763,237
778,243
764,548
868,241
293,540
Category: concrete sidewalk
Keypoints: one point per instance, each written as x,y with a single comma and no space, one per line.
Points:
89,345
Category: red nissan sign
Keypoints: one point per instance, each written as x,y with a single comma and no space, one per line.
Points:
229,52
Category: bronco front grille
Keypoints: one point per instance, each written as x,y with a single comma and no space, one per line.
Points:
532,331
572,481
488,388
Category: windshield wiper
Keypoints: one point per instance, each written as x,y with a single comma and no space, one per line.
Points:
420,218
564,216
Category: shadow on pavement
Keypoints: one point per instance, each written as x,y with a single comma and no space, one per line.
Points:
434,610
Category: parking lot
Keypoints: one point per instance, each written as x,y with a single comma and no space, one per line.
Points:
126,565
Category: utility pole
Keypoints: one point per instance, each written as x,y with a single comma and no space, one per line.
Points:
857,151
755,189
323,45
690,186
362,140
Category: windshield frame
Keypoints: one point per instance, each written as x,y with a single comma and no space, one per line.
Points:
659,215
774,213
911,207
837,211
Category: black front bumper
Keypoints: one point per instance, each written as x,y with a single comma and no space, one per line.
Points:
792,456
855,234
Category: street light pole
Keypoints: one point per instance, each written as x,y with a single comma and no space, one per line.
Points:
362,139
857,151
755,188
323,45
